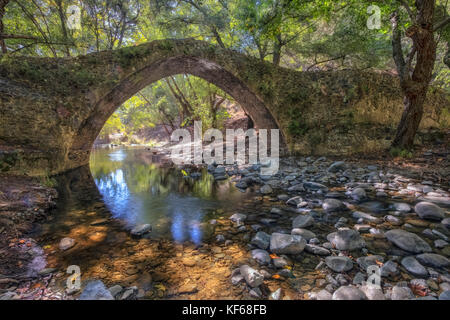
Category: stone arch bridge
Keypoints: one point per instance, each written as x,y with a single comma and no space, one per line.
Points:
52,109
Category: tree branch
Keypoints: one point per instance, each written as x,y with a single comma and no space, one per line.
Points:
408,9
441,24
397,47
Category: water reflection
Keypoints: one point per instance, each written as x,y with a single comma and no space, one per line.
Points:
138,190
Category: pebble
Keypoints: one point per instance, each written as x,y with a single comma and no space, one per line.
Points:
252,277
66,243
141,229
261,256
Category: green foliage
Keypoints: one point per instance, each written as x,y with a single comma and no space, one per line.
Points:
49,182
8,160
402,153
297,126
157,104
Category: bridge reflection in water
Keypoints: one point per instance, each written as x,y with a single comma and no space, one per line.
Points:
137,191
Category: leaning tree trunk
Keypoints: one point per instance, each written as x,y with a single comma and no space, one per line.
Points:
410,121
3,4
414,85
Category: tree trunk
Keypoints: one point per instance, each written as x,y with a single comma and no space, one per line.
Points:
62,20
277,50
3,4
410,121
414,86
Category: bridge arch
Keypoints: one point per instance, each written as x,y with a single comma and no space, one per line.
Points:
131,84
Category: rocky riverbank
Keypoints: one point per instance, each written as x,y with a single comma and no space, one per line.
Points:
318,229
23,202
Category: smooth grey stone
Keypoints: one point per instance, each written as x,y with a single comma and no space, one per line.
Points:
389,269
302,221
337,166
261,256
366,216
433,260
252,277
323,295
238,217
276,295
402,207
440,243
236,279
407,241
359,278
66,244
115,290
141,229
317,250
308,235
413,266
401,293
428,210
365,262
95,290
349,293
445,295
346,239
358,194
373,292
331,205
338,263
266,189
286,244
315,186
261,240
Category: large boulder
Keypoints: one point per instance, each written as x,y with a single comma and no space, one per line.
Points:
407,241
287,244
